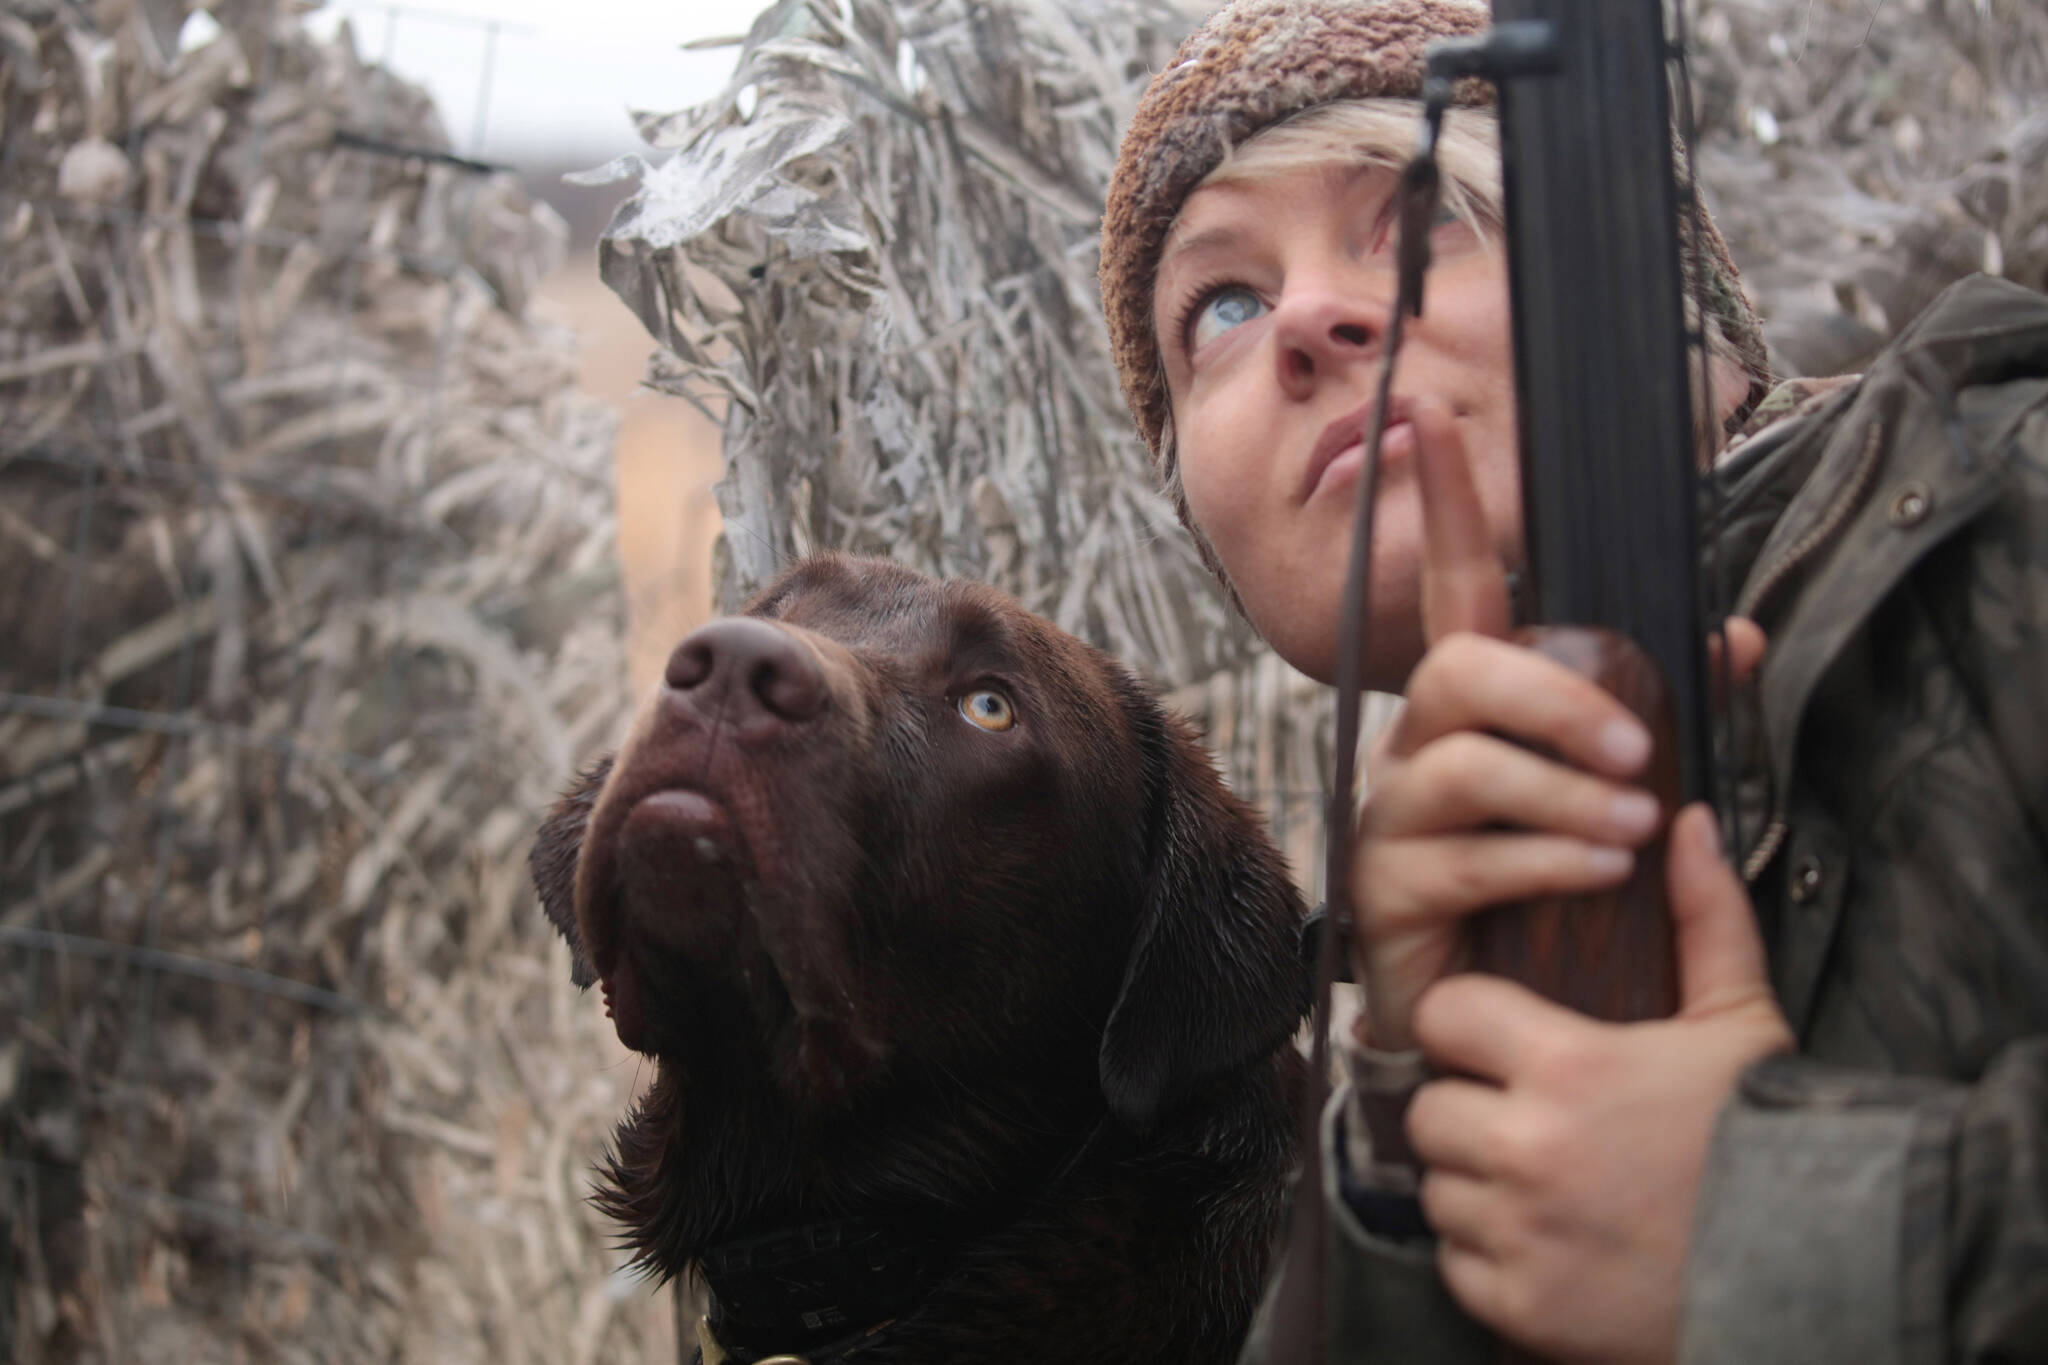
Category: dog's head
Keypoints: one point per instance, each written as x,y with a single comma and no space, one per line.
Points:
883,825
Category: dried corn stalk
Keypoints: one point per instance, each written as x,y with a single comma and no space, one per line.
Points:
879,243
306,575
1861,156
900,202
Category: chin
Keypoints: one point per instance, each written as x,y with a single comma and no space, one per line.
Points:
1295,626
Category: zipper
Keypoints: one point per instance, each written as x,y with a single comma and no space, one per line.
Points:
1766,849
1770,580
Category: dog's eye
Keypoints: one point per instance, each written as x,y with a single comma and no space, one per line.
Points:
988,708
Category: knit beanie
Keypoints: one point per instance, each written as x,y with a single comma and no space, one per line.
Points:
1251,65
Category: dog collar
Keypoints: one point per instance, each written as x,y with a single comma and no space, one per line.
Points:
711,1351
810,1293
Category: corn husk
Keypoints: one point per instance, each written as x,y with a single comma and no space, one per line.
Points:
1861,157
306,569
878,247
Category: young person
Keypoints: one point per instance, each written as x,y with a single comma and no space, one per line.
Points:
1838,1149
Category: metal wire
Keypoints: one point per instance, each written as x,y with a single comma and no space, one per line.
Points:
40,937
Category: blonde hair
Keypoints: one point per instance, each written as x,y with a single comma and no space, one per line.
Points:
1382,132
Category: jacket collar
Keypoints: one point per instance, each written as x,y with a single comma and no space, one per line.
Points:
1826,511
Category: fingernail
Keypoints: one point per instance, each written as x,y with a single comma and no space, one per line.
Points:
1606,862
1709,833
1634,812
1625,743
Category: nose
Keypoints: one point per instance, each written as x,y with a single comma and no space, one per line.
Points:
1322,329
747,669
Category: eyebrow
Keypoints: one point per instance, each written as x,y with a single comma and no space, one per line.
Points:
1207,239
1225,235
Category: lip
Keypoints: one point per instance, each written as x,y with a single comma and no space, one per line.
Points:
646,835
1347,433
705,822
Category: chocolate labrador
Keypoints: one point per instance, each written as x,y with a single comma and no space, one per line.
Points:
969,984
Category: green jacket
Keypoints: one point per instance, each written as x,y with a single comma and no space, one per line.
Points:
1880,1197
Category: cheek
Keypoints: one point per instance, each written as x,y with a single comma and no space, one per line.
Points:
1218,483
1286,576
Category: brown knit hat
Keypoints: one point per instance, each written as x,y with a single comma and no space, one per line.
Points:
1251,65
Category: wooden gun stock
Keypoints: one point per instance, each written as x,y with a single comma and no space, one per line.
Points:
1607,954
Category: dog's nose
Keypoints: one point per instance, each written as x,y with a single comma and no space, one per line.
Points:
748,665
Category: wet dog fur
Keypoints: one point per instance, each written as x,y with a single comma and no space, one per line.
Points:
933,919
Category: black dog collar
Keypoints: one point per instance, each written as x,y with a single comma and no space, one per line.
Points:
812,1292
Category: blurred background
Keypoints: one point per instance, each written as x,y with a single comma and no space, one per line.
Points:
356,471
548,89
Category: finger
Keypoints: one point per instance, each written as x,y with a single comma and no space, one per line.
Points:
1464,586
1720,954
1489,1028
1476,1280
1746,645
1419,882
1453,1126
1467,779
1745,641
1469,682
1462,1208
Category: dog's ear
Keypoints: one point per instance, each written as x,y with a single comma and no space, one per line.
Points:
1214,980
553,861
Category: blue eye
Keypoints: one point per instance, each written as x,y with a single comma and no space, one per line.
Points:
1221,311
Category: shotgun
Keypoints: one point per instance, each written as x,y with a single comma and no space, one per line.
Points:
1610,488
1604,357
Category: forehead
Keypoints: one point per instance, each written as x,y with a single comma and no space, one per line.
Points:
873,604
1244,198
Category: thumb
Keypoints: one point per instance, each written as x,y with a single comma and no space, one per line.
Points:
1720,955
1746,645
1733,653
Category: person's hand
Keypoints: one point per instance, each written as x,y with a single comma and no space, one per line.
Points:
1459,816
1563,1167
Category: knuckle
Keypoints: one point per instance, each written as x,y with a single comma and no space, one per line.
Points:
1429,1192
1467,762
1422,1120
1424,684
1460,646
1445,667
1376,817
1468,1275
1462,1276
1383,883
1554,1057
1520,1300
1569,1064
1436,1010
1465,882
1531,1147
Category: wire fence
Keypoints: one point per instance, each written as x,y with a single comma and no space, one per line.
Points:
305,546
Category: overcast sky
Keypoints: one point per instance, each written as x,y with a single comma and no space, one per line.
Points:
562,73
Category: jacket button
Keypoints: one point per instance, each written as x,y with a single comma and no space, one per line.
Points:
1806,876
1910,505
